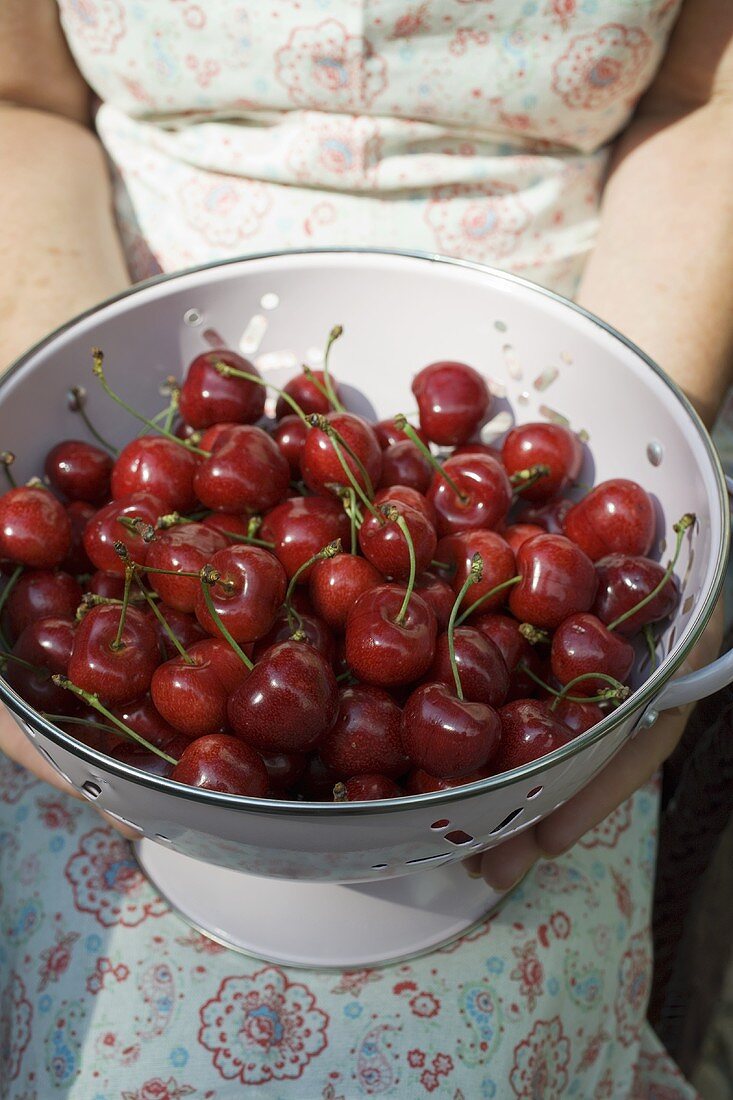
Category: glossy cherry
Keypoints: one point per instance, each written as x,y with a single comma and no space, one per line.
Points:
404,464
446,736
543,444
76,560
252,588
388,433
105,529
114,674
558,579
381,650
309,396
370,788
223,763
529,730
453,400
192,696
384,544
503,631
208,398
142,717
498,565
481,666
290,435
109,585
550,517
314,630
186,628
483,495
437,594
336,583
404,494
284,770
157,465
616,517
79,470
34,527
300,527
517,533
137,756
578,717
365,736
245,473
46,644
582,644
182,549
623,581
41,594
421,782
321,467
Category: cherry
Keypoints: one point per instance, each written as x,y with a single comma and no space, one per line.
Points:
290,435
46,645
543,444
481,666
386,645
245,473
110,586
207,397
76,560
314,632
421,782
136,756
383,542
102,666
222,763
233,527
453,400
437,594
479,496
300,527
185,628
447,736
616,517
550,517
307,392
503,631
154,464
557,580
284,769
517,533
108,527
370,788
214,435
529,730
388,433
365,736
578,717
403,464
34,527
41,594
287,702
623,581
142,717
248,594
336,583
404,494
87,730
79,470
185,548
317,782
190,695
476,447
498,565
582,644
323,455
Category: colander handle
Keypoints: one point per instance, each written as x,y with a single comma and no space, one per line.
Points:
706,681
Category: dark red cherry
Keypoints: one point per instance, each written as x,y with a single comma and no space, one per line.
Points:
222,763
485,494
366,735
46,644
287,702
306,394
623,581
481,667
230,525
41,594
543,444
79,470
157,465
616,517
437,594
137,756
182,549
403,494
582,644
578,717
105,529
503,631
384,544
558,579
421,782
34,528
109,585
371,788
76,561
249,596
209,398
115,674
388,433
404,464
315,631
336,584
382,651
322,470
290,436
447,736
498,565
300,527
529,730
317,782
284,769
476,447
550,517
142,717
245,473
191,697
453,400
185,627
517,533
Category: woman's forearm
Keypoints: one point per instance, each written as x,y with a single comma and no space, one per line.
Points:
662,270
59,250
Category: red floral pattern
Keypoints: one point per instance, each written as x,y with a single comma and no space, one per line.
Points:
601,67
541,1062
107,881
16,1016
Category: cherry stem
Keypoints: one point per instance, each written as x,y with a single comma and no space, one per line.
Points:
400,422
7,458
679,529
12,581
98,371
474,576
5,655
233,372
394,516
534,634
614,695
130,570
487,596
333,336
175,519
651,645
138,526
336,440
339,793
209,576
522,479
348,499
78,721
93,701
323,554
175,640
77,401
170,412
446,565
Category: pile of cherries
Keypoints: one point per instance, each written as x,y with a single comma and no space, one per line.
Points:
312,606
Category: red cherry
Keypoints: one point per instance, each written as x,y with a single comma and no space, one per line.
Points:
557,580
336,584
191,697
300,527
421,782
249,597
46,644
404,464
213,436
185,627
503,631
317,782
316,632
582,644
388,433
437,594
517,533
142,717
34,528
287,702
446,736
284,769
105,529
543,444
94,738
320,465
245,473
617,517
498,565
228,523
485,494
481,667
208,398
76,561
578,717
529,730
383,542
623,581
306,394
41,594
366,735
550,517
476,447
382,651
157,465
137,756
403,494
222,763
116,675
109,585
79,470
290,436
453,400
370,788
185,548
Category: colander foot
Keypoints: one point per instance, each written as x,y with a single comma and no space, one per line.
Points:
315,924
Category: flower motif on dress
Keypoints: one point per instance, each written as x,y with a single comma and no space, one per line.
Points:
416,1058
584,978
634,982
99,24
479,1007
16,1015
541,1062
482,222
63,1043
107,882
529,972
56,814
425,1005
262,1027
413,21
337,152
602,67
376,1069
606,835
562,12
224,210
158,1089
55,960
353,981
464,38
14,781
326,68
104,969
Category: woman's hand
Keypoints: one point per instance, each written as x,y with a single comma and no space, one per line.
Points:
503,866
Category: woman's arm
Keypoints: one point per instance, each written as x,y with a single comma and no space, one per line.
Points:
662,273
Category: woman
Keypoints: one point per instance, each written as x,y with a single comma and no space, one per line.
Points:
457,126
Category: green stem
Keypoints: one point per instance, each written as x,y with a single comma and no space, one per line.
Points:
175,640
615,695
57,718
402,425
12,581
445,565
522,479
6,655
651,645
534,634
335,441
209,576
333,336
129,574
474,576
351,512
329,551
7,458
233,372
487,596
679,529
394,516
77,403
321,388
170,412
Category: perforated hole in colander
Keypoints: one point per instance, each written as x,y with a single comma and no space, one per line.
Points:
459,837
507,820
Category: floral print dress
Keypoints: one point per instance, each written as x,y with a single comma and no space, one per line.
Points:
476,128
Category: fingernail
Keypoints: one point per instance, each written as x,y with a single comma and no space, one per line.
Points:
474,874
